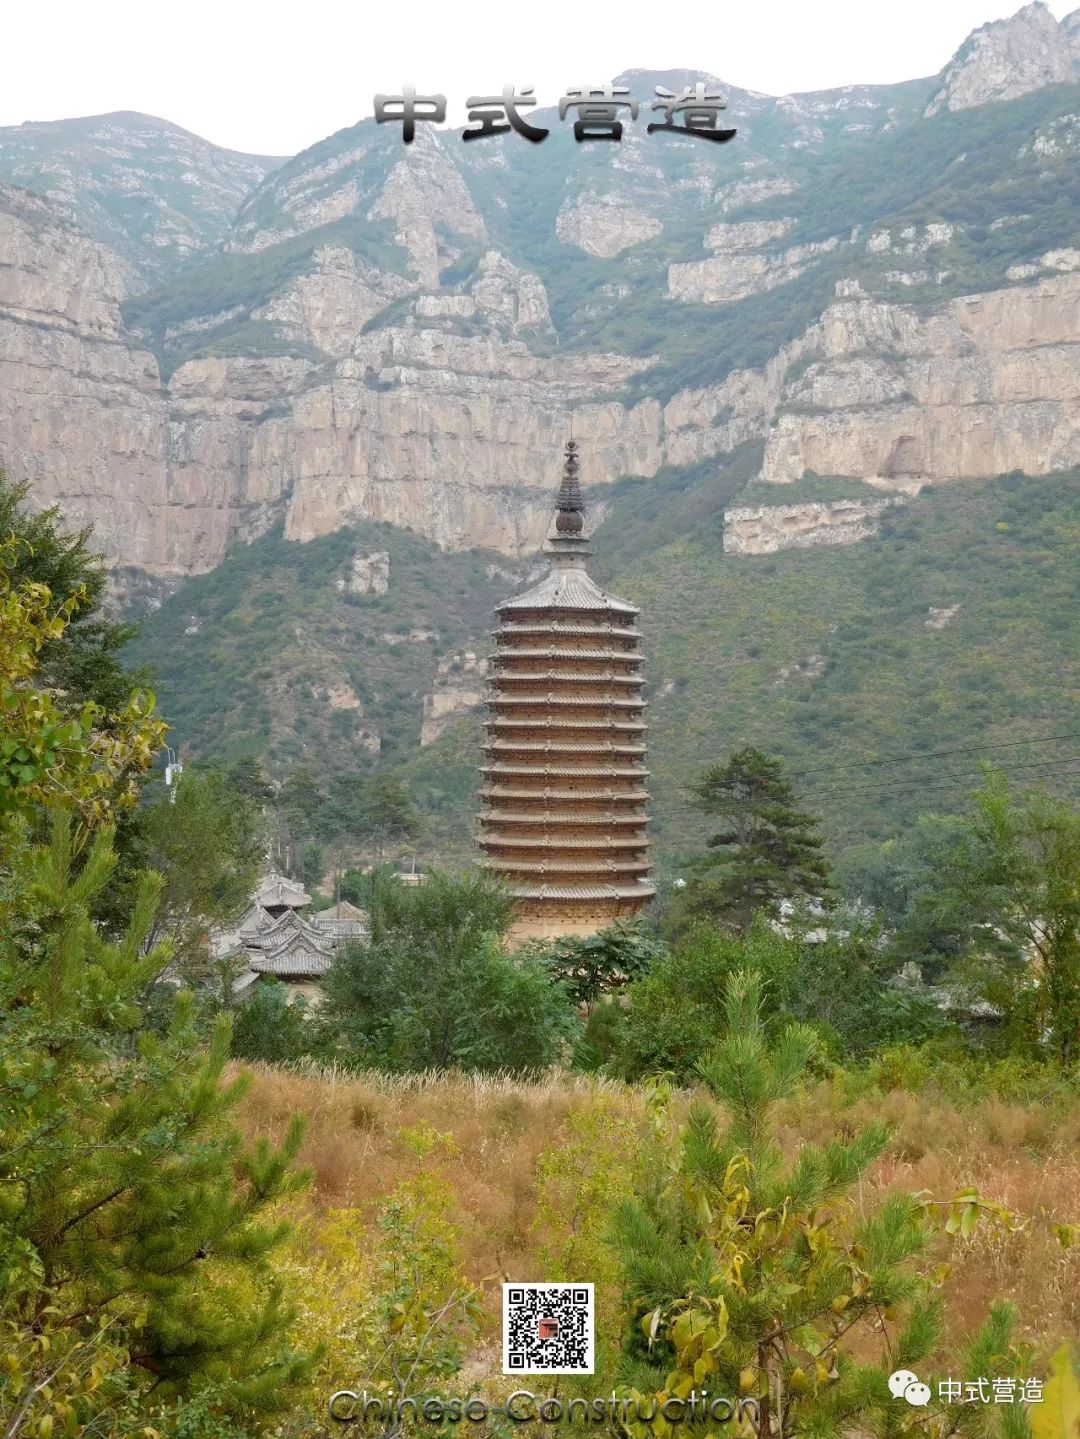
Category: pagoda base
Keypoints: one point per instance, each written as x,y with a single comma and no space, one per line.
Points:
558,919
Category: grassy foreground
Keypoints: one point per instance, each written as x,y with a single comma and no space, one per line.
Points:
524,1169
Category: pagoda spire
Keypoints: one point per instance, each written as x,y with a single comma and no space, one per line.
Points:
567,534
570,507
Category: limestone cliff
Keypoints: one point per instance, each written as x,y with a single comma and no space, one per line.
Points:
150,191
764,529
389,333
1009,58
988,384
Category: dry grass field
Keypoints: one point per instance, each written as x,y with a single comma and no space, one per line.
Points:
505,1133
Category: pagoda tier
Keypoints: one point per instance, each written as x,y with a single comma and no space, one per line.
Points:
563,799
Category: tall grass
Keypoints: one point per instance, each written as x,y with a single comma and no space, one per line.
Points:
1025,1156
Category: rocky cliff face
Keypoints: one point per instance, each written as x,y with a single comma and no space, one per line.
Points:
988,384
1009,58
767,528
391,333
152,192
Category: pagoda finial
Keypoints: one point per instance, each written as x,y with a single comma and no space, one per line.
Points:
569,507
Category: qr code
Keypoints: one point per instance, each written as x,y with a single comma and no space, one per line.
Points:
548,1329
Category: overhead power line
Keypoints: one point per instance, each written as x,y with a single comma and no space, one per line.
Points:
935,781
931,754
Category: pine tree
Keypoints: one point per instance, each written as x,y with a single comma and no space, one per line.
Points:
766,849
122,1184
744,1276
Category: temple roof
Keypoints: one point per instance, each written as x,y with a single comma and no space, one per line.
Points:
586,866
255,920
592,702
582,891
296,962
280,928
276,890
566,771
517,816
580,746
293,949
538,722
567,589
342,910
529,841
529,652
563,627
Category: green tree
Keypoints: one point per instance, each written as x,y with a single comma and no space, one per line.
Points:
1017,867
248,778
267,1027
593,965
900,879
52,749
123,1187
84,659
434,987
751,1278
389,814
312,864
839,983
207,841
765,850
674,1013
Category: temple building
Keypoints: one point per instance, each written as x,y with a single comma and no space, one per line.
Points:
564,784
278,938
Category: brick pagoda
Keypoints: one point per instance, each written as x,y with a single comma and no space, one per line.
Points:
563,817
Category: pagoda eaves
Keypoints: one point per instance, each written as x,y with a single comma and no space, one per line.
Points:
563,817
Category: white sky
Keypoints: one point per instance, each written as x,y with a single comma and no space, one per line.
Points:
273,79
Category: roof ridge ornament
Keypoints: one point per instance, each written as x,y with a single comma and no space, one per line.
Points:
569,506
568,537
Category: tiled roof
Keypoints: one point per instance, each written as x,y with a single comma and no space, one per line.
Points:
585,866
581,701
278,929
543,820
582,891
620,726
256,920
538,771
582,677
276,890
293,964
561,652
525,841
563,627
567,589
497,794
342,910
581,746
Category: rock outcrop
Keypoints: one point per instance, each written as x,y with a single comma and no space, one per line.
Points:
604,225
179,193
1009,58
330,307
988,384
368,574
459,690
764,529
744,268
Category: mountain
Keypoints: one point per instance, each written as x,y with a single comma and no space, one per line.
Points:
1009,58
358,365
151,192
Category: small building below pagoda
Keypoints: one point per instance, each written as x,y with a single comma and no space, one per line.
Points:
564,794
279,938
